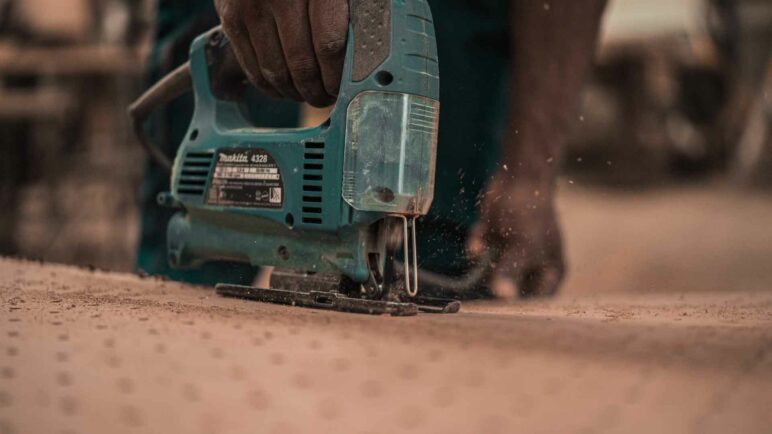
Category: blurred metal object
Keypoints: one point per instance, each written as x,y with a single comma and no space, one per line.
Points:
74,61
672,86
67,67
61,21
753,162
21,105
64,22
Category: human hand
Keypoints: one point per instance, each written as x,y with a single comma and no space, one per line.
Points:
289,48
518,223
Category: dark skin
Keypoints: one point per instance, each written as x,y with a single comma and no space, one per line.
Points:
552,49
295,49
289,48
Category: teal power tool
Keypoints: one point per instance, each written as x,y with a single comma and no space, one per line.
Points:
330,206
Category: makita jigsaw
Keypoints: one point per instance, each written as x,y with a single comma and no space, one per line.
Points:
328,206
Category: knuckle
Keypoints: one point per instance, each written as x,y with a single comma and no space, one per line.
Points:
307,78
232,28
276,78
281,7
229,16
330,47
303,69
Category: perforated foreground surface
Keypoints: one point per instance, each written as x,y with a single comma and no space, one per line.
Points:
91,352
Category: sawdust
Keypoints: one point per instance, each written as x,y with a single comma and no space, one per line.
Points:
89,351
664,325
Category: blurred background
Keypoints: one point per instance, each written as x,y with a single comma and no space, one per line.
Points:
668,172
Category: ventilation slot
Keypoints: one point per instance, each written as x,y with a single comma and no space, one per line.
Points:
194,174
313,166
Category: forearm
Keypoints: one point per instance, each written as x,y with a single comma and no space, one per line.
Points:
552,48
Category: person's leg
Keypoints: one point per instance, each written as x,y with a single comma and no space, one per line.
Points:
527,58
552,46
14,163
473,53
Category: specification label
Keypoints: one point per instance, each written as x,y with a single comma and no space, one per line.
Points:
246,177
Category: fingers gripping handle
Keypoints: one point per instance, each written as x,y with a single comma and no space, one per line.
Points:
391,46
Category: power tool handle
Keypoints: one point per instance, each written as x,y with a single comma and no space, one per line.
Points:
370,26
227,80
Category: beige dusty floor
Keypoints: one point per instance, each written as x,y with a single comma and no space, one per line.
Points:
664,326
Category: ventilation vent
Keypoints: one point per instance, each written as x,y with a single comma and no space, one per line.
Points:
194,174
313,165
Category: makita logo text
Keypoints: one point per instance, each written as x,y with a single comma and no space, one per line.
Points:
235,158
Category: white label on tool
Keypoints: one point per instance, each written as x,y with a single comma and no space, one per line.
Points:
246,177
